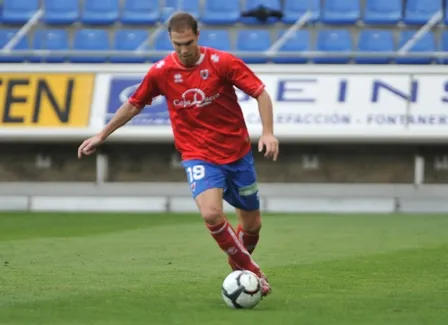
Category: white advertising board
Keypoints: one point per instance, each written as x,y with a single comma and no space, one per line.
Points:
311,103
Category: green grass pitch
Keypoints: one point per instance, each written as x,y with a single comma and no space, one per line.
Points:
114,269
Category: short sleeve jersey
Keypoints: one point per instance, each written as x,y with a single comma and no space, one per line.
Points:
206,118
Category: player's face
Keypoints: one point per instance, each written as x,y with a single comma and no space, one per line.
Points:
185,44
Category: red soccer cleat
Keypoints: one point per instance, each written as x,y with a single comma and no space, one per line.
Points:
265,286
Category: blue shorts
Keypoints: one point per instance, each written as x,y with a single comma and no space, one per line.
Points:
238,179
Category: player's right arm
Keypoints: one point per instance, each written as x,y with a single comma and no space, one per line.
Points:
147,90
123,115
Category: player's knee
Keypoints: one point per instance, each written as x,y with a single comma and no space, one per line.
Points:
212,216
253,228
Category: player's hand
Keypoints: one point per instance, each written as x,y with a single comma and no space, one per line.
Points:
89,146
271,143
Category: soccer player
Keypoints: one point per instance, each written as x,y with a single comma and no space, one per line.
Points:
210,133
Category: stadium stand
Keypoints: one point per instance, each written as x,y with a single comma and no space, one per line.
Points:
426,43
219,39
298,41
418,12
50,39
382,12
253,40
341,12
293,9
100,12
60,12
90,40
5,36
128,40
444,45
375,41
334,40
136,12
213,12
18,11
331,31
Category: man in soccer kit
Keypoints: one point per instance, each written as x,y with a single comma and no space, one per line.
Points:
210,133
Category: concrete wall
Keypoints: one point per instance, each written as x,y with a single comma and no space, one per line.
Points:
174,197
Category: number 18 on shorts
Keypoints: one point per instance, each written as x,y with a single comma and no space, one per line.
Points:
237,179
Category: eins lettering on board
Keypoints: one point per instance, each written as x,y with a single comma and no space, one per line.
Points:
45,100
376,101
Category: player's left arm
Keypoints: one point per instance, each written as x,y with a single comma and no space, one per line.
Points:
246,80
267,139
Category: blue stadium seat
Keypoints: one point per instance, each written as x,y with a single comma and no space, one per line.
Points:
100,12
418,12
140,12
444,46
253,4
446,14
90,40
382,11
425,44
19,11
218,39
299,41
341,11
337,40
5,37
162,42
375,41
294,9
171,6
129,40
253,40
52,39
58,12
219,12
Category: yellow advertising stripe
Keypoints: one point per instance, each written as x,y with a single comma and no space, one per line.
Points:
45,100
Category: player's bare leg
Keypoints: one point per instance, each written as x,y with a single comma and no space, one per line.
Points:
210,204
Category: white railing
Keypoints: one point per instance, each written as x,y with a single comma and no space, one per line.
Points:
300,22
435,19
23,31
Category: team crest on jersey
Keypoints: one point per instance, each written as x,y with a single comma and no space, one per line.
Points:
204,74
178,78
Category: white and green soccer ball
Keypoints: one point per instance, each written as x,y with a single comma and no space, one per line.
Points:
241,290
